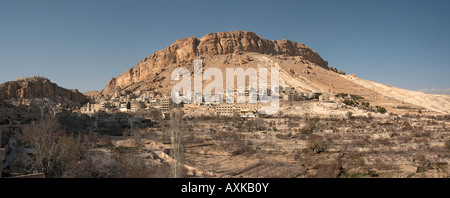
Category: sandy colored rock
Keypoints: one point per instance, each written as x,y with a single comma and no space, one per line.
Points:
34,87
300,67
185,50
91,93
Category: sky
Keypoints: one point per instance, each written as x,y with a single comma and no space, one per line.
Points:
83,44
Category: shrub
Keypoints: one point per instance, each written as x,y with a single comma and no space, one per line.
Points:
348,102
100,166
316,144
356,97
329,170
365,104
349,114
341,95
55,150
381,109
447,144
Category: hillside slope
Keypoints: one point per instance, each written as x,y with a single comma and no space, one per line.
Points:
300,67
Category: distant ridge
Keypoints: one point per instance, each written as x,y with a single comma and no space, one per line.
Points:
91,93
38,87
435,91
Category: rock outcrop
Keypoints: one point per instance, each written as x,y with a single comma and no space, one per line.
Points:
91,94
38,87
185,50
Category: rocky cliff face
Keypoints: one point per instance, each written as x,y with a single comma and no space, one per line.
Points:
185,50
35,87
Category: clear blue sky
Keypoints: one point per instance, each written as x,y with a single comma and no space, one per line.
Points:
82,44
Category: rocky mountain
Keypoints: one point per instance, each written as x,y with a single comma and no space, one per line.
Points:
300,67
35,87
183,51
91,93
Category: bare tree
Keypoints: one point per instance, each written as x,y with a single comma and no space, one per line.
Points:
53,149
155,114
316,143
96,166
177,132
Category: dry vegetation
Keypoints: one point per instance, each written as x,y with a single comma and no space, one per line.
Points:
408,146
206,146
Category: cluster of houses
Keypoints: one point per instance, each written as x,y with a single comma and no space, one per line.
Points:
112,124
294,94
16,112
13,117
127,105
130,102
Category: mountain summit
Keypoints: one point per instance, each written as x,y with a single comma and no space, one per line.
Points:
223,43
37,87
